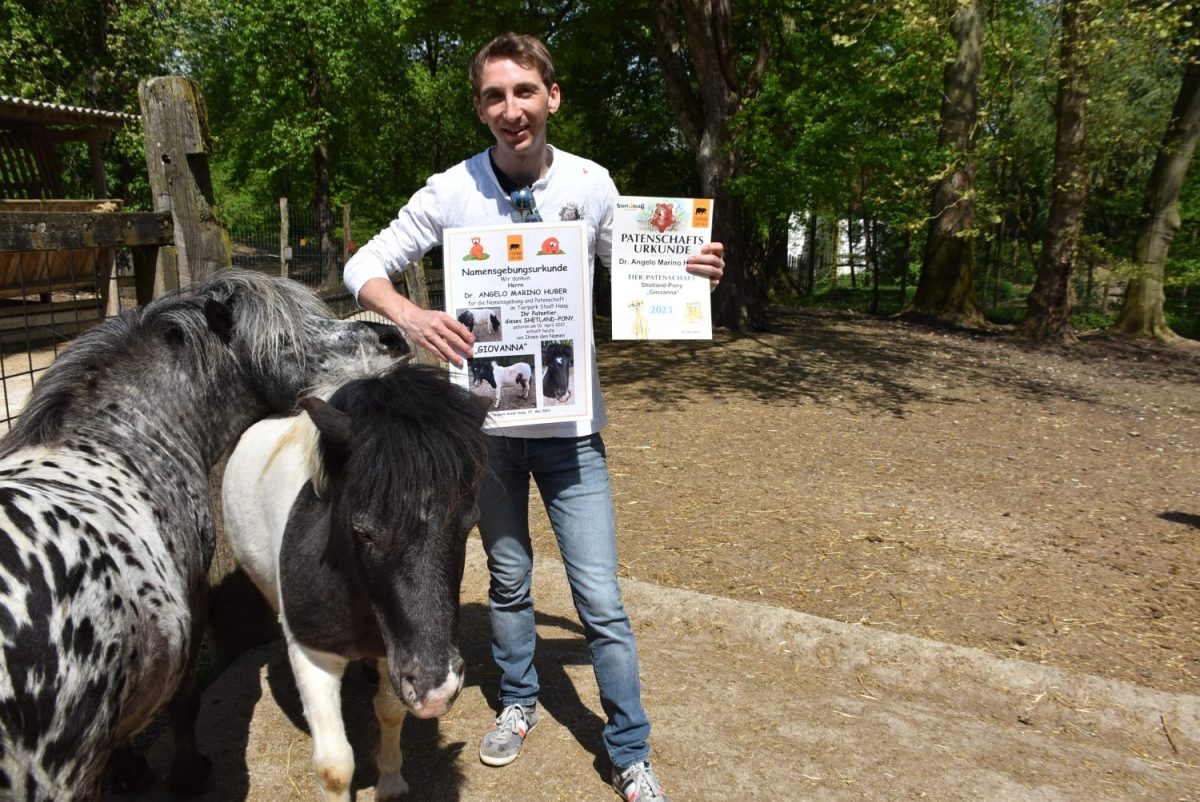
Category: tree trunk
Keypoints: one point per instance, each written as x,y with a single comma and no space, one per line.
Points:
811,250
178,144
1142,315
329,250
851,245
775,261
870,233
737,303
321,199
703,115
1048,315
946,287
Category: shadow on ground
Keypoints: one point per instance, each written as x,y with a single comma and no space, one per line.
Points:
829,357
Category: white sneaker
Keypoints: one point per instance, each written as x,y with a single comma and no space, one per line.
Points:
502,742
637,783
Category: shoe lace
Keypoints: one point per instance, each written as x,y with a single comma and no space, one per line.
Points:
641,784
510,718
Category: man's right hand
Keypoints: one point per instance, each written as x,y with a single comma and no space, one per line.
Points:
438,333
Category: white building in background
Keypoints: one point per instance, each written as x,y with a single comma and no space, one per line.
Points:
830,239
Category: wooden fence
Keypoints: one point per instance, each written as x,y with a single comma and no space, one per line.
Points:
66,264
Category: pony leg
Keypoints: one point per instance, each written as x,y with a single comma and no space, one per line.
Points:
189,769
390,711
319,680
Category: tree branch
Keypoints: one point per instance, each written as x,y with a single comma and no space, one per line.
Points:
761,58
722,32
668,49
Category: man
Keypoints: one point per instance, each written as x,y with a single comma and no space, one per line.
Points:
521,178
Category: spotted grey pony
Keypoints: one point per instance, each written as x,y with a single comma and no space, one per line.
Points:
106,527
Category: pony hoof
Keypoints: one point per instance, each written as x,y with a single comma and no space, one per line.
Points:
391,788
128,771
189,775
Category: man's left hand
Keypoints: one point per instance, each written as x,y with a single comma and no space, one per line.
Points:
710,262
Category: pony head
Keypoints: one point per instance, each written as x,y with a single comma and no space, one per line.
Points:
483,372
403,455
287,339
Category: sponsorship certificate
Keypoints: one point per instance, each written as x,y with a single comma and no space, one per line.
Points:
522,289
653,295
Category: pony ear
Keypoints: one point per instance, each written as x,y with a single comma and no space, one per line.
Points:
334,426
220,319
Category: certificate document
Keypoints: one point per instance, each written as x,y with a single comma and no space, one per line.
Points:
522,290
653,296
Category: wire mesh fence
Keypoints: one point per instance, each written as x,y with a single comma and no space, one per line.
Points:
46,299
257,245
258,242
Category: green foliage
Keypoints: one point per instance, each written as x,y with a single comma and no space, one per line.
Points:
614,106
844,121
84,53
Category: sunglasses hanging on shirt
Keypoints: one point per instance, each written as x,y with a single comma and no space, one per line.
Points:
522,200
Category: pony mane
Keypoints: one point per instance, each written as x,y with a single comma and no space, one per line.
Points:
267,313
415,432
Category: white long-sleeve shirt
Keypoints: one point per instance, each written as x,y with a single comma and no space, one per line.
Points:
469,194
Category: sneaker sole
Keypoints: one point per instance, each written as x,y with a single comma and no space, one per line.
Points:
497,761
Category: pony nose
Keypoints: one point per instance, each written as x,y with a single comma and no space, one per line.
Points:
423,698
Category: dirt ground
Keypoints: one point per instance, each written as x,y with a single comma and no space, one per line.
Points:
859,481
963,488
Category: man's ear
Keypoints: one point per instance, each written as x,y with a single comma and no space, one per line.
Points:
479,109
555,98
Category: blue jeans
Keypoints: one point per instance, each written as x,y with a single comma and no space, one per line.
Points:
572,476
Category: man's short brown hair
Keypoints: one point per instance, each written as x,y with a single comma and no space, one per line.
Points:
523,49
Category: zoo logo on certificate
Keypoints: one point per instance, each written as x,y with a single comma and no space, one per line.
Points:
653,295
522,291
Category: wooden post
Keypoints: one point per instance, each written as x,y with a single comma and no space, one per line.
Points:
285,250
416,288
178,144
346,238
96,160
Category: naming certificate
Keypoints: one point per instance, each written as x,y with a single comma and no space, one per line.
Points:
522,291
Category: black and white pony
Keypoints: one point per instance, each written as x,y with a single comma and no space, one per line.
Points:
469,317
352,521
556,371
106,526
518,374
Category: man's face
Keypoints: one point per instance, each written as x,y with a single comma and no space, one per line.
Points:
515,104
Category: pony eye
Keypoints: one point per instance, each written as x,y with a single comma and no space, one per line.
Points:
362,528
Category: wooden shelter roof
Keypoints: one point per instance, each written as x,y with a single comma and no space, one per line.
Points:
30,131
38,112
